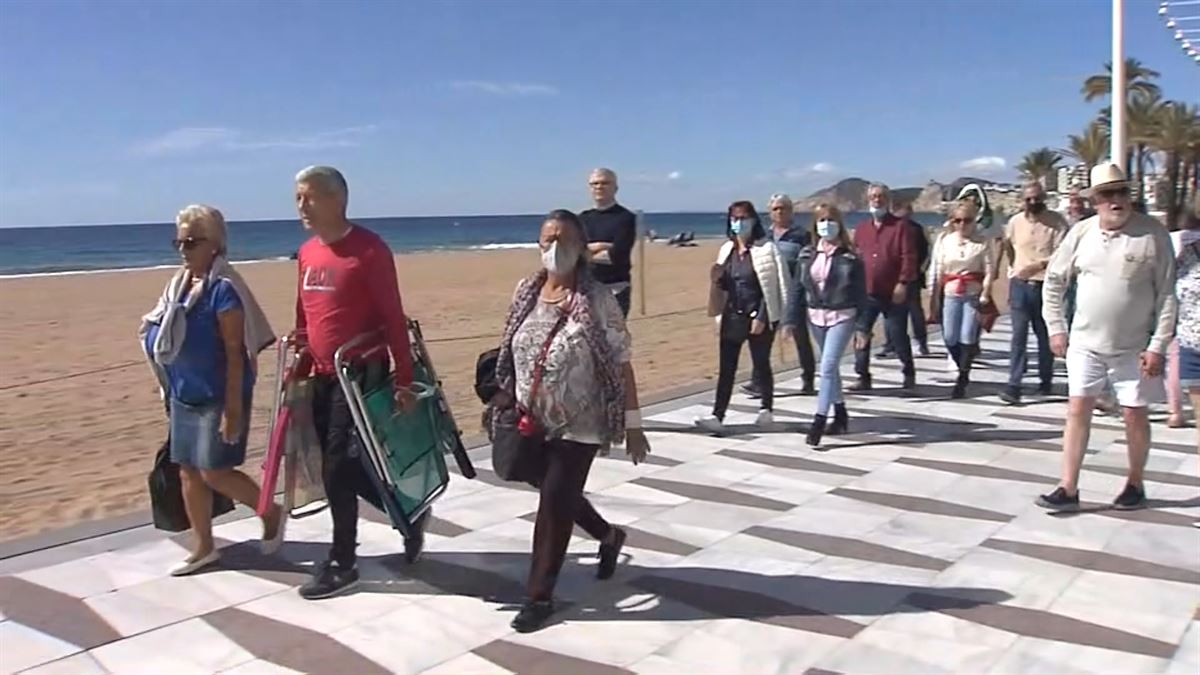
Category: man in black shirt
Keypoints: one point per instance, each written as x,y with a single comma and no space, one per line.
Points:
611,231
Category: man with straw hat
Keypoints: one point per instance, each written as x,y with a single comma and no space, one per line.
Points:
1124,320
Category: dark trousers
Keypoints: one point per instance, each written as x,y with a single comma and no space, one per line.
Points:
804,350
760,355
624,299
344,475
560,507
1025,300
896,328
916,312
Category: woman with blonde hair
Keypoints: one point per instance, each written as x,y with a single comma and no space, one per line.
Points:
202,339
961,271
828,291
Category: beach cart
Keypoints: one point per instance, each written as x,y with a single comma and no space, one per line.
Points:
404,454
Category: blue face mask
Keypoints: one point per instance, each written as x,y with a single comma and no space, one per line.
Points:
828,229
878,212
741,227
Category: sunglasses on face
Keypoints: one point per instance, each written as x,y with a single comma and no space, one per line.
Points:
1117,193
187,243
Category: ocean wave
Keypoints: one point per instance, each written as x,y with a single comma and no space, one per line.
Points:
503,247
30,273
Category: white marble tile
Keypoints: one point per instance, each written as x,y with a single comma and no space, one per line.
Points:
1034,656
332,614
638,494
1157,609
192,646
738,646
79,664
79,578
902,479
260,667
440,638
713,471
729,518
488,507
467,664
834,522
130,613
203,593
1162,544
1031,583
22,647
753,545
919,624
951,656
1187,657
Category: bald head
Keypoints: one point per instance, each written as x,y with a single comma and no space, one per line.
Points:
603,185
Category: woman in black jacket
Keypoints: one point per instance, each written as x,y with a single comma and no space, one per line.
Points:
828,291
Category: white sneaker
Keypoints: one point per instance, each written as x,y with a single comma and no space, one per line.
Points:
951,366
711,424
765,419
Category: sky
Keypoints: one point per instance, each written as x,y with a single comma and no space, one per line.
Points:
125,111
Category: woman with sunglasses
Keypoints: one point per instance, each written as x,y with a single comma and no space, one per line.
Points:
828,292
202,340
961,271
749,286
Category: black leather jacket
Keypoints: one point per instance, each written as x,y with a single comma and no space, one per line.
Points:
845,287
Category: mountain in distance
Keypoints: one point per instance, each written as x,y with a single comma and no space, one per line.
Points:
850,194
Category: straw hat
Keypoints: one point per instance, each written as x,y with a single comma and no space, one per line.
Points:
1107,176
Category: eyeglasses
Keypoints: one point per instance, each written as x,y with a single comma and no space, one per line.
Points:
187,243
600,183
1115,193
776,209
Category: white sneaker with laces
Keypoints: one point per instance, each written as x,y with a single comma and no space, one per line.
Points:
766,419
710,423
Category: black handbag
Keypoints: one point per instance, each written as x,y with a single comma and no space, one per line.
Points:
735,326
518,439
166,494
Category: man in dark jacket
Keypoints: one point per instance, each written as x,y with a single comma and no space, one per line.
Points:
789,240
888,247
611,231
915,306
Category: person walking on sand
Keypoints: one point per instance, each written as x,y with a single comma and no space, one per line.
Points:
1030,238
748,289
828,291
790,239
889,252
346,287
203,339
1123,323
611,231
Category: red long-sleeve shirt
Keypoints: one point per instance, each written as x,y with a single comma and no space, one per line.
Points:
889,253
348,288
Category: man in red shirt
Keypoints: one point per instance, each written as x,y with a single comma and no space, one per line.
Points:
888,248
347,286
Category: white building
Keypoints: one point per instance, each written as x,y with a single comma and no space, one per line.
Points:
1072,177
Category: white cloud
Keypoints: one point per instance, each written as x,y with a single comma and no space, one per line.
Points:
674,175
651,177
505,88
801,173
987,164
822,167
198,139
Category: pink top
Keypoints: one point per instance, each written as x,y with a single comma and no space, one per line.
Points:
820,271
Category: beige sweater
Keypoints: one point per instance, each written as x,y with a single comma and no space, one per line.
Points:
1125,296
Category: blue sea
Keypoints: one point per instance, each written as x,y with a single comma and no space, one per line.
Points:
74,249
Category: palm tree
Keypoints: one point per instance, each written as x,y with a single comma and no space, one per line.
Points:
1137,81
1144,113
1090,147
1040,164
1176,135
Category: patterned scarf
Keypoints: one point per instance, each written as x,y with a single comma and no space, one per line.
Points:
583,313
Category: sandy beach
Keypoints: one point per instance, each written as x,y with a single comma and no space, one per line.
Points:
80,418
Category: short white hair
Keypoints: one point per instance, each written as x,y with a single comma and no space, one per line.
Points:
208,217
328,178
780,198
607,173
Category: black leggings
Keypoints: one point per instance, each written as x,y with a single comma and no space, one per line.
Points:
760,356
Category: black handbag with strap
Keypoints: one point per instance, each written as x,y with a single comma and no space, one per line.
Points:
166,494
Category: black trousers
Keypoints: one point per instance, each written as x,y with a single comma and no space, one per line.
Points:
916,310
760,355
560,507
804,351
896,326
624,299
344,475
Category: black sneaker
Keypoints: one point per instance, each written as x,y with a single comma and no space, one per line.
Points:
863,384
415,545
1131,498
751,390
1011,397
1059,500
808,389
1046,389
610,554
923,350
885,353
910,381
533,616
328,581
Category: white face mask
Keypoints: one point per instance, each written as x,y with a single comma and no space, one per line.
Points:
558,259
828,229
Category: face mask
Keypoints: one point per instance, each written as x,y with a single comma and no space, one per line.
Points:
1035,207
557,259
828,229
736,225
878,212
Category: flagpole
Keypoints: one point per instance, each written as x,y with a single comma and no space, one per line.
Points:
1119,93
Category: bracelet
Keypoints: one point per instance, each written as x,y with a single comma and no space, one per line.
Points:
633,419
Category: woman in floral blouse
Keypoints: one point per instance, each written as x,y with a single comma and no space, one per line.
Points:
1187,326
586,398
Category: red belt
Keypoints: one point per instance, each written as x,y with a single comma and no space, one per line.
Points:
961,279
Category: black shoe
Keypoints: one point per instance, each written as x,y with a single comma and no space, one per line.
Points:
1059,500
610,554
1131,498
1011,397
816,431
414,546
885,353
841,421
329,580
960,385
751,390
863,384
910,381
923,350
533,616
1046,389
808,389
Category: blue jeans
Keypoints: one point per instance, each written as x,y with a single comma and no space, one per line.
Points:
1025,300
960,319
832,340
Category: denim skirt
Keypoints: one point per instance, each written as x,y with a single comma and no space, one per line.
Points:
196,436
1189,367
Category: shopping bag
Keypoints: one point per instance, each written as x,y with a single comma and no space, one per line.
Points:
166,494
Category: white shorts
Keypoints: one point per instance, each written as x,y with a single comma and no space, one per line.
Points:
1089,374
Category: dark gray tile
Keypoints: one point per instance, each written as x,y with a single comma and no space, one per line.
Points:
846,547
639,539
792,462
969,469
533,661
819,671
488,476
1043,625
922,505
1164,477
738,604
289,645
1096,560
54,613
1147,515
713,494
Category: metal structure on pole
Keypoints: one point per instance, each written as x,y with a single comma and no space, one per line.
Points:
1120,101
1178,14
